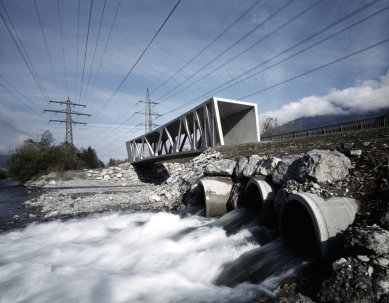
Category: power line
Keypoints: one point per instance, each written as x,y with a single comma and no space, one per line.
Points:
24,55
94,54
20,92
105,48
214,40
125,78
357,106
47,49
316,69
20,100
149,125
199,44
215,90
247,49
125,113
78,32
230,47
63,50
86,47
69,121
278,55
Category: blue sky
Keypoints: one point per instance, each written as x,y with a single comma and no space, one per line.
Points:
203,45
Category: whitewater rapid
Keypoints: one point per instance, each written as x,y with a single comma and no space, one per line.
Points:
123,257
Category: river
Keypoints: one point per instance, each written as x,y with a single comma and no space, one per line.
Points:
143,257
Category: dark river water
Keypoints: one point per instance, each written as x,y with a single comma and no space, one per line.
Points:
12,196
139,257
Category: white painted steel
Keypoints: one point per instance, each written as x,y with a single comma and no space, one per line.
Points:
215,122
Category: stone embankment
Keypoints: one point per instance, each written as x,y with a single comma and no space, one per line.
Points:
363,271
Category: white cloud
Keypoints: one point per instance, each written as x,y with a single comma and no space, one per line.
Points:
367,96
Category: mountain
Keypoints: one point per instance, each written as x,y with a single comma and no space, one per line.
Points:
325,120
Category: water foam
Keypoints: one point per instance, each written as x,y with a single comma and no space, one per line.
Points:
129,257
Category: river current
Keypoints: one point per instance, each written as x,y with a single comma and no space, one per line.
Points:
144,257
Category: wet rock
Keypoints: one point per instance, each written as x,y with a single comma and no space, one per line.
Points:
222,167
323,166
240,165
286,169
251,166
371,240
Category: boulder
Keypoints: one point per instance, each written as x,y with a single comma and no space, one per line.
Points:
371,240
222,167
240,165
286,169
251,166
322,166
267,167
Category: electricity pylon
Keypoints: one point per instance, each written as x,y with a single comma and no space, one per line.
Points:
69,121
149,125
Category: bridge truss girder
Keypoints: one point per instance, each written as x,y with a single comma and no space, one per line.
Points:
214,122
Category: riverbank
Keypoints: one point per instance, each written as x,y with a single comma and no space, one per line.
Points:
171,187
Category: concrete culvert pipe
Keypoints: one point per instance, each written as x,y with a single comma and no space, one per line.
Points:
260,194
214,194
316,224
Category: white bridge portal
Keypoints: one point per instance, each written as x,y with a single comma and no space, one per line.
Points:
214,122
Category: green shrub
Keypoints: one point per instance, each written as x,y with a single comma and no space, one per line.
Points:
33,158
24,162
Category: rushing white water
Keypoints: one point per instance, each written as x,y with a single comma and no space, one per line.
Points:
131,257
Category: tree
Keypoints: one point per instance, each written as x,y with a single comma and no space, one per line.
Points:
32,158
24,162
90,158
46,140
269,126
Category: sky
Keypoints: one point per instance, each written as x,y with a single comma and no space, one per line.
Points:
293,58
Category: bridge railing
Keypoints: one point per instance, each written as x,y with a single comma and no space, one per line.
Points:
375,122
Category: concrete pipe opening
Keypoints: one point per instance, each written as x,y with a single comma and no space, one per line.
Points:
214,194
260,195
315,225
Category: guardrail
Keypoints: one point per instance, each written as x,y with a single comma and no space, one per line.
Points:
376,122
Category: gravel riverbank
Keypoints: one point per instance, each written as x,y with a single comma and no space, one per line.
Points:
360,171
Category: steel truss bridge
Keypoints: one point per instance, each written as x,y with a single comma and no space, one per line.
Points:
215,122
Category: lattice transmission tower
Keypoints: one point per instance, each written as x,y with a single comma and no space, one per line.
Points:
148,112
69,121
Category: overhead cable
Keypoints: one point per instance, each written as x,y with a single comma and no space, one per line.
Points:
125,78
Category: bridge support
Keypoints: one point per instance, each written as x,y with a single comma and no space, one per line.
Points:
214,122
